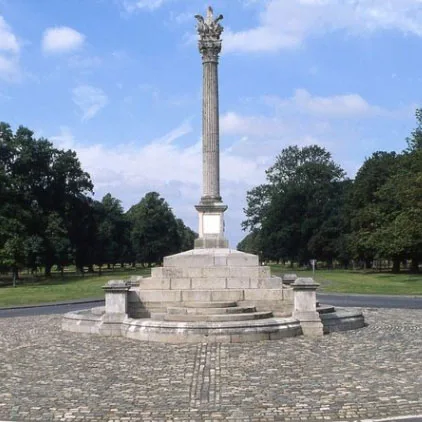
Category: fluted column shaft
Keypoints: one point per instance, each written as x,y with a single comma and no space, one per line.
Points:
210,131
211,208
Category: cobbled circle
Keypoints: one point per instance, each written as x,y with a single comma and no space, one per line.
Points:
47,374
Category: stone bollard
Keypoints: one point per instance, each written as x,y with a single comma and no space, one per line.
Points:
116,292
304,308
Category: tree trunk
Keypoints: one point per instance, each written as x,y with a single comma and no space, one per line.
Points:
15,275
368,264
90,268
47,270
414,266
396,266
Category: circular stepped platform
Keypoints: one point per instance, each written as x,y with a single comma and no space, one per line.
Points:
211,317
209,322
211,312
325,309
178,310
206,305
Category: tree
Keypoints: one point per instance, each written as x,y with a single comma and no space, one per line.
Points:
111,236
414,141
41,183
186,234
251,243
291,207
370,211
154,229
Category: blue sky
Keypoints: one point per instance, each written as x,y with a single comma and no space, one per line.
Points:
119,81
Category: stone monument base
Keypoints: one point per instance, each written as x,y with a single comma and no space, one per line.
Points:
209,295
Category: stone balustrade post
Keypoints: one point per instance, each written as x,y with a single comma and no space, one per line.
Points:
289,278
304,308
116,300
116,297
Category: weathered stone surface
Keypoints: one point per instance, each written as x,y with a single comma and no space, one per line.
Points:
209,283
181,283
264,294
289,278
304,308
50,375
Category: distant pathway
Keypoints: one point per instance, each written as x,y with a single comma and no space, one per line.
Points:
371,301
367,301
50,375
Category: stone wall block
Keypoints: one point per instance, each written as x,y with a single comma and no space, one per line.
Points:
208,283
238,283
227,295
180,283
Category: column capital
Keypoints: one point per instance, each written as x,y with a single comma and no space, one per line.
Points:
209,30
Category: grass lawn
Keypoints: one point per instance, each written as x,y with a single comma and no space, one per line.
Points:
58,289
335,281
341,281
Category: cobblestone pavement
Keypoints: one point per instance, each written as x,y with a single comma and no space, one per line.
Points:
50,375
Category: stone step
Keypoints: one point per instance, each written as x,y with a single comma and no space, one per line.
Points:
213,318
177,310
208,304
325,309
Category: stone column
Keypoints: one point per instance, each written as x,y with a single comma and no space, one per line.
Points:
210,209
305,306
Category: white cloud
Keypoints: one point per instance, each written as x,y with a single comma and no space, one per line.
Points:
9,53
232,123
9,68
336,106
287,23
89,99
62,39
129,170
8,40
133,5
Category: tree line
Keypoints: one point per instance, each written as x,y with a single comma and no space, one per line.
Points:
48,216
308,209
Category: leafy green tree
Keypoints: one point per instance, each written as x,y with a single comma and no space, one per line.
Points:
111,236
43,183
154,229
414,141
290,209
251,243
186,235
370,212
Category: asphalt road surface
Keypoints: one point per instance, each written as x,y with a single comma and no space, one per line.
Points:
371,301
361,301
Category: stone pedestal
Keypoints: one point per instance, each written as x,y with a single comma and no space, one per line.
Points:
211,226
116,297
116,306
304,308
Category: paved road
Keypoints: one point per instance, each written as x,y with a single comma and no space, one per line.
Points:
362,301
371,301
48,310
50,375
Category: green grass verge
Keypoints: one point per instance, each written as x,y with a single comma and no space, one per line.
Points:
341,281
72,287
56,289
